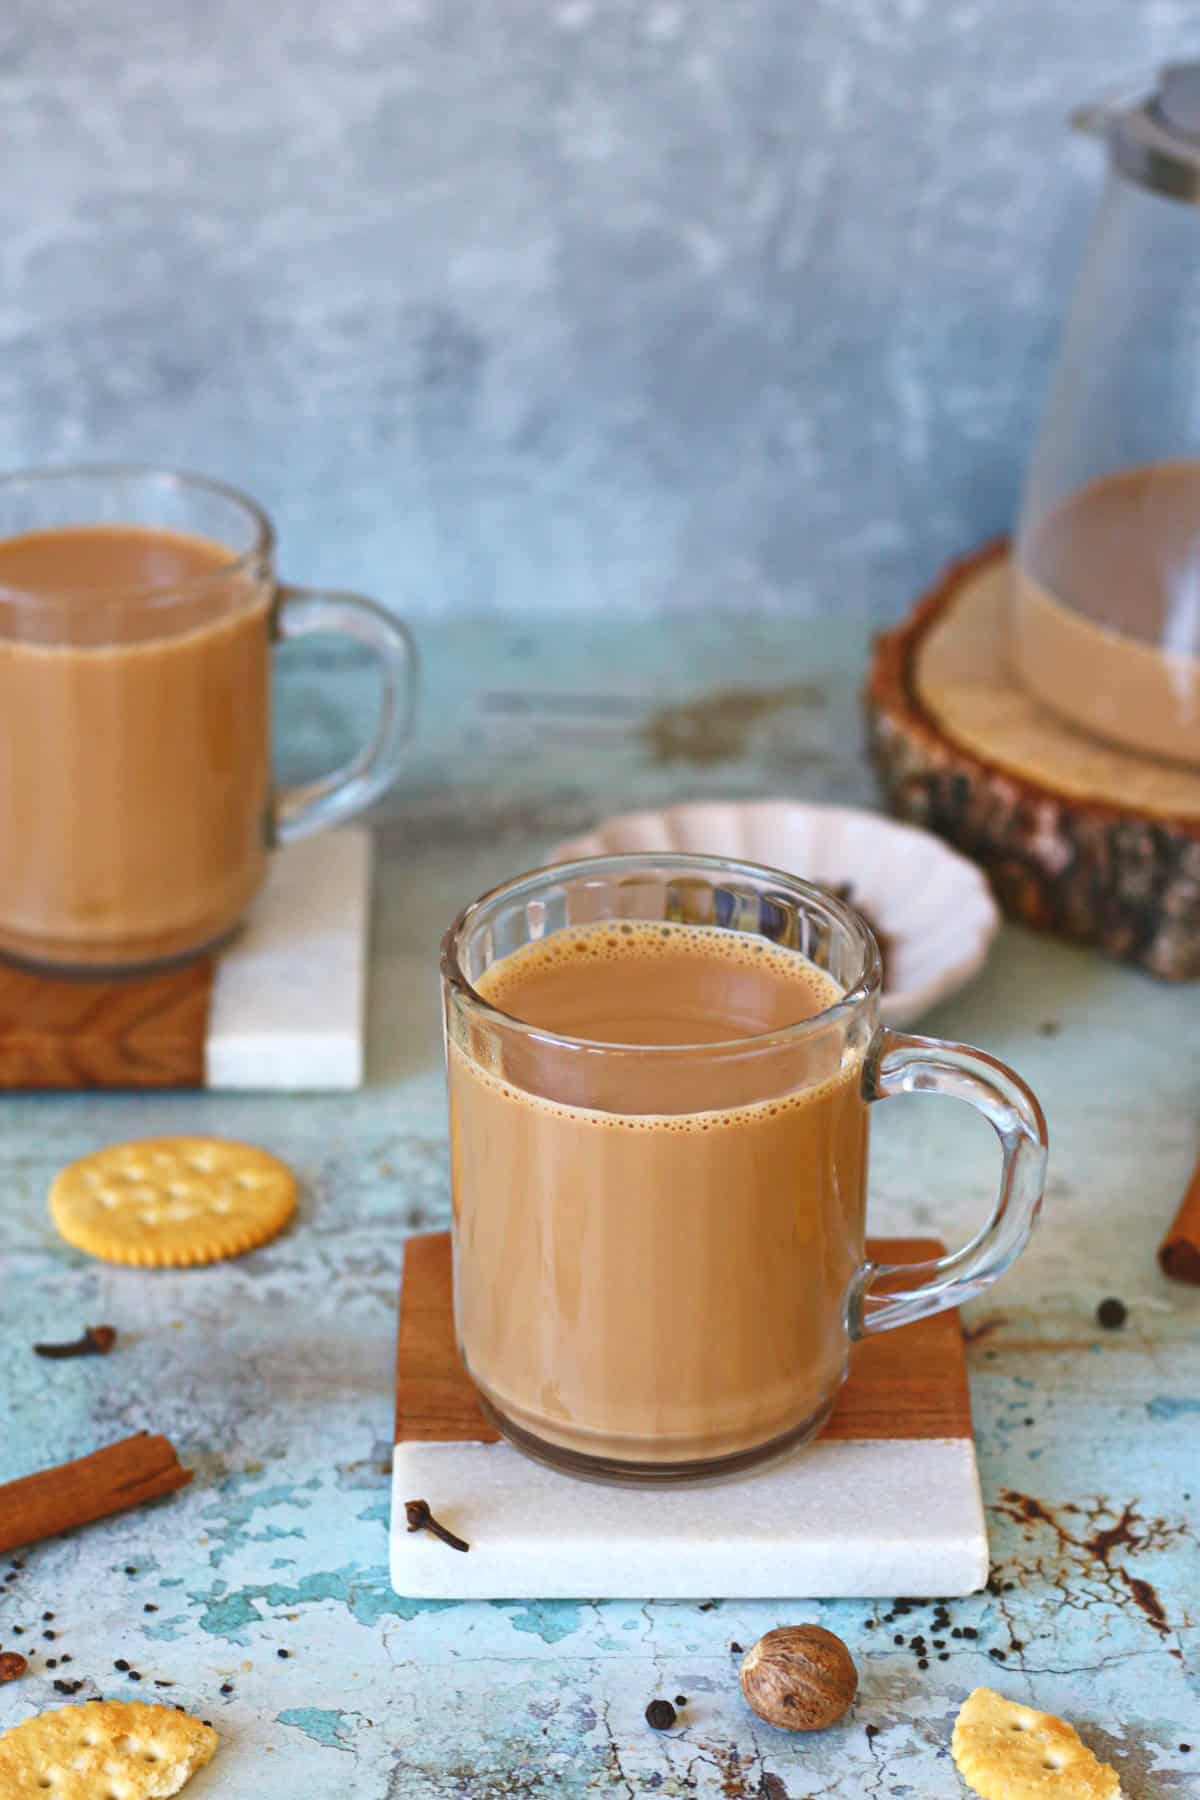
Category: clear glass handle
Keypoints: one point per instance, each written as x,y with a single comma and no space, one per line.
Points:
333,798
916,1065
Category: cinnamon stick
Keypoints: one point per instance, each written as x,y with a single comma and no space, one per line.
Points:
1179,1254
108,1481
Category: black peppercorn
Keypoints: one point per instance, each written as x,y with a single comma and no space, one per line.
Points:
681,1699
122,1665
660,1715
1112,1313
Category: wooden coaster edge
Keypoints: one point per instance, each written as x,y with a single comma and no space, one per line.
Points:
888,1396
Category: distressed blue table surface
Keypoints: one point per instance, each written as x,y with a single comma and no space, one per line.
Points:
261,1592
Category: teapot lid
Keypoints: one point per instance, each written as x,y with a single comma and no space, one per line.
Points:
1155,140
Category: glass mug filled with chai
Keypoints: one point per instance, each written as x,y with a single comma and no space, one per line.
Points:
138,608
660,1072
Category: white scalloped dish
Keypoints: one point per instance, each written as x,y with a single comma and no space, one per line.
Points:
932,909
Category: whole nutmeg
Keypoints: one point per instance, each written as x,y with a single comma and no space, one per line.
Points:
801,1677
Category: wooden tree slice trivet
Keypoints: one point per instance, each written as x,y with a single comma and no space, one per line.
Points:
885,1502
1079,838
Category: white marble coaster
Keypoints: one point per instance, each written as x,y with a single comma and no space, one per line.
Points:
839,1520
288,997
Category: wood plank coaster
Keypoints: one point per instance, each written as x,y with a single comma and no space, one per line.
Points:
281,1006
885,1502
1078,837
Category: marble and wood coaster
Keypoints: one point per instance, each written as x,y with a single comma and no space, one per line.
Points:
885,1502
281,1006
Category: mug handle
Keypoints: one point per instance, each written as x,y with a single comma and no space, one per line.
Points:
316,805
898,1064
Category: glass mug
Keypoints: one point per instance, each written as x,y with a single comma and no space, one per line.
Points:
659,1261
138,608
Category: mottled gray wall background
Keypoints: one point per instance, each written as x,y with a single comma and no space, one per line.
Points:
559,304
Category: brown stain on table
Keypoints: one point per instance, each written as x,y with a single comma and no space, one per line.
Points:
1100,1546
905,1385
144,1031
716,728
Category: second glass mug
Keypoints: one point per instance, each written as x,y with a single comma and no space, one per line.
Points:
136,802
658,1293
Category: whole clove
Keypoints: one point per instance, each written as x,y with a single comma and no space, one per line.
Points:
421,1519
97,1340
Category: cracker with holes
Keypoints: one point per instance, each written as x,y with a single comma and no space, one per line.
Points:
1007,1751
168,1202
104,1750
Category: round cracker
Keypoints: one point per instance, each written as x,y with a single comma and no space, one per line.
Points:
169,1202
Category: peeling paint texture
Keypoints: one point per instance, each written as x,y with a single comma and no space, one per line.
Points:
273,1373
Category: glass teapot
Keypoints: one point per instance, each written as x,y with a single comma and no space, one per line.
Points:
1105,607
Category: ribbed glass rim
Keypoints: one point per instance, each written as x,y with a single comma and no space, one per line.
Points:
155,476
816,899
